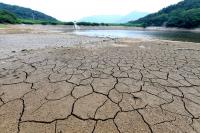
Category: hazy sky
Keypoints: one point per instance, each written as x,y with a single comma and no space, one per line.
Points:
68,10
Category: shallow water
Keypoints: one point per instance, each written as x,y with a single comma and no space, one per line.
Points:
167,35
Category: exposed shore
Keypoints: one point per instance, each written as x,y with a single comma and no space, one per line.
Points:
54,81
68,28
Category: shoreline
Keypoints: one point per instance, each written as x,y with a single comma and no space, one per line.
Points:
71,28
152,32
23,37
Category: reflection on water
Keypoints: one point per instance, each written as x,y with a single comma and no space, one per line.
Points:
168,35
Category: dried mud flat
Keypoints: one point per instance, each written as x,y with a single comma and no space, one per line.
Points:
114,86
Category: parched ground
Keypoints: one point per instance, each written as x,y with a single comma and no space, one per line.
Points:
114,86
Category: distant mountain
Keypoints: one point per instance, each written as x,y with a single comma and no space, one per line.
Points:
25,13
132,16
185,14
113,18
101,19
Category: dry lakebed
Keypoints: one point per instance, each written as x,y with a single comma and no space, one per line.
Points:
52,81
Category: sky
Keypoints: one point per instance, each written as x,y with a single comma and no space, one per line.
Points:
72,10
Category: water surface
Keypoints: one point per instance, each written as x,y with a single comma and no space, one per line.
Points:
185,36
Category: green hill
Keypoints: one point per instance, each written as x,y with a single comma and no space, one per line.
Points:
6,17
185,14
26,13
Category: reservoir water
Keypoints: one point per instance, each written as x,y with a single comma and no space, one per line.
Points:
186,36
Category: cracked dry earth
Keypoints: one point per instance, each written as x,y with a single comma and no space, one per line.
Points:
108,89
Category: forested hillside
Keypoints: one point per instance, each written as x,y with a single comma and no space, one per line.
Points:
6,17
25,13
185,14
